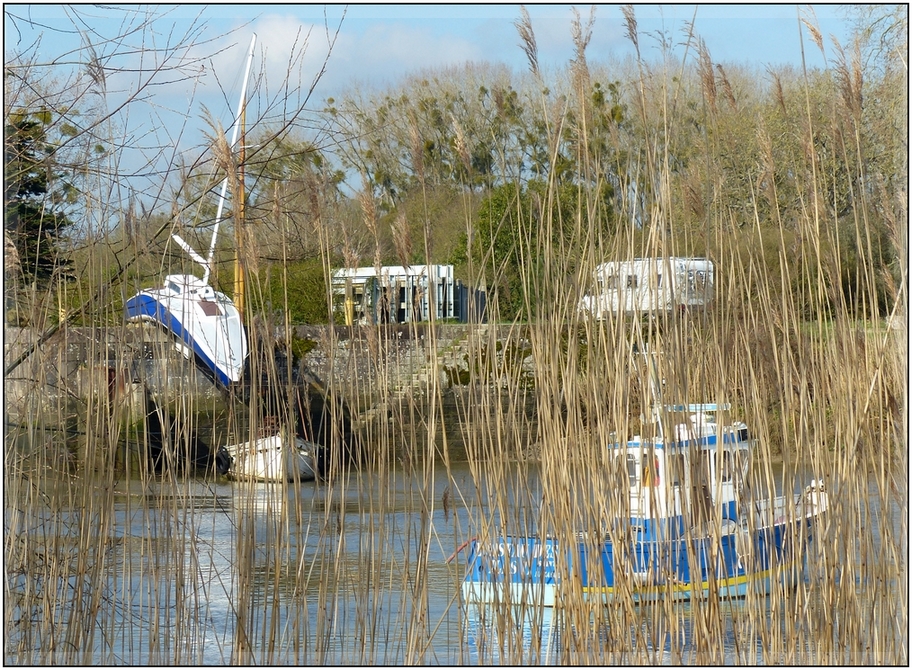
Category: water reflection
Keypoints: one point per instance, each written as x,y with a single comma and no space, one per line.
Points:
356,572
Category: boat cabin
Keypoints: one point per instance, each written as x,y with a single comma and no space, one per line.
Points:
694,475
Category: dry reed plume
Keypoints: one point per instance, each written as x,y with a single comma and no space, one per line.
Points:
108,563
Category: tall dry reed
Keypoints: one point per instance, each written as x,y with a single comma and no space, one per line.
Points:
107,562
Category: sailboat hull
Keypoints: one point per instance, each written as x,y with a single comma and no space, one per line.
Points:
204,322
273,459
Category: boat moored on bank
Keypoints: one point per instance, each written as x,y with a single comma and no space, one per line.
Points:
204,322
688,527
274,458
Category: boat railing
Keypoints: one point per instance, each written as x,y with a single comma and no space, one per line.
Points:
805,505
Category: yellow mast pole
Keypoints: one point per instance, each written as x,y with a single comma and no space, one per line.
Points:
239,224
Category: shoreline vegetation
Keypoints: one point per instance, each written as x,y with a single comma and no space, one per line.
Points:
794,184
407,364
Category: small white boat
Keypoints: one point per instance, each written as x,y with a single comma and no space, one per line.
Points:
204,321
273,459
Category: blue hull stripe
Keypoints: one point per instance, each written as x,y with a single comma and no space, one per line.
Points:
144,306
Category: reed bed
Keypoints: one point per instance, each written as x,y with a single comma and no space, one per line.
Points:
108,563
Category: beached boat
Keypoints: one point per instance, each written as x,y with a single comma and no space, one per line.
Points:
689,527
274,458
205,323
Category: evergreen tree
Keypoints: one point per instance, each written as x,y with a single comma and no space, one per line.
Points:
35,197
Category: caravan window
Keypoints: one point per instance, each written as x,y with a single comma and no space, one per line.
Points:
611,282
631,281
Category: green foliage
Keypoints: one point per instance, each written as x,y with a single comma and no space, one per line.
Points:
300,347
503,234
35,197
436,221
518,231
298,289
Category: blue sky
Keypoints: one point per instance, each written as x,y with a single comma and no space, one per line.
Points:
379,44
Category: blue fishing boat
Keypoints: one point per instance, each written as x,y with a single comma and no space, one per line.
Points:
687,527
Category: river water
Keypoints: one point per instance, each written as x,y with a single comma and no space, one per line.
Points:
217,572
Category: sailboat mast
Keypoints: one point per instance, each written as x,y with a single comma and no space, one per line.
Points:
239,231
234,134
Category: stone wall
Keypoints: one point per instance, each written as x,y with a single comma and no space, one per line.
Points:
357,361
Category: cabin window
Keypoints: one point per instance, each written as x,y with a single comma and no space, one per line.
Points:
701,487
632,467
727,466
658,281
705,468
210,308
739,463
675,470
631,281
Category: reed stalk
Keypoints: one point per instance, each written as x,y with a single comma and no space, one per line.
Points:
109,562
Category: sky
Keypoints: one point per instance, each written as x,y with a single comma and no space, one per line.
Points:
381,43
377,45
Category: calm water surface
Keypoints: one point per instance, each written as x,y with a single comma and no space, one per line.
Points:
214,572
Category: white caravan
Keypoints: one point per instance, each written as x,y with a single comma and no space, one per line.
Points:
649,285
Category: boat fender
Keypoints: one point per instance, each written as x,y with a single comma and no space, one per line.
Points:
223,461
809,496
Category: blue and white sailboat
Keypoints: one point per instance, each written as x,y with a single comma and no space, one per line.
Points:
204,322
686,528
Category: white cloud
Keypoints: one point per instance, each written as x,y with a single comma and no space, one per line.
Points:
386,52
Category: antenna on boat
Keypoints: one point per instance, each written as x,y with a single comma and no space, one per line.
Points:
655,384
207,262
